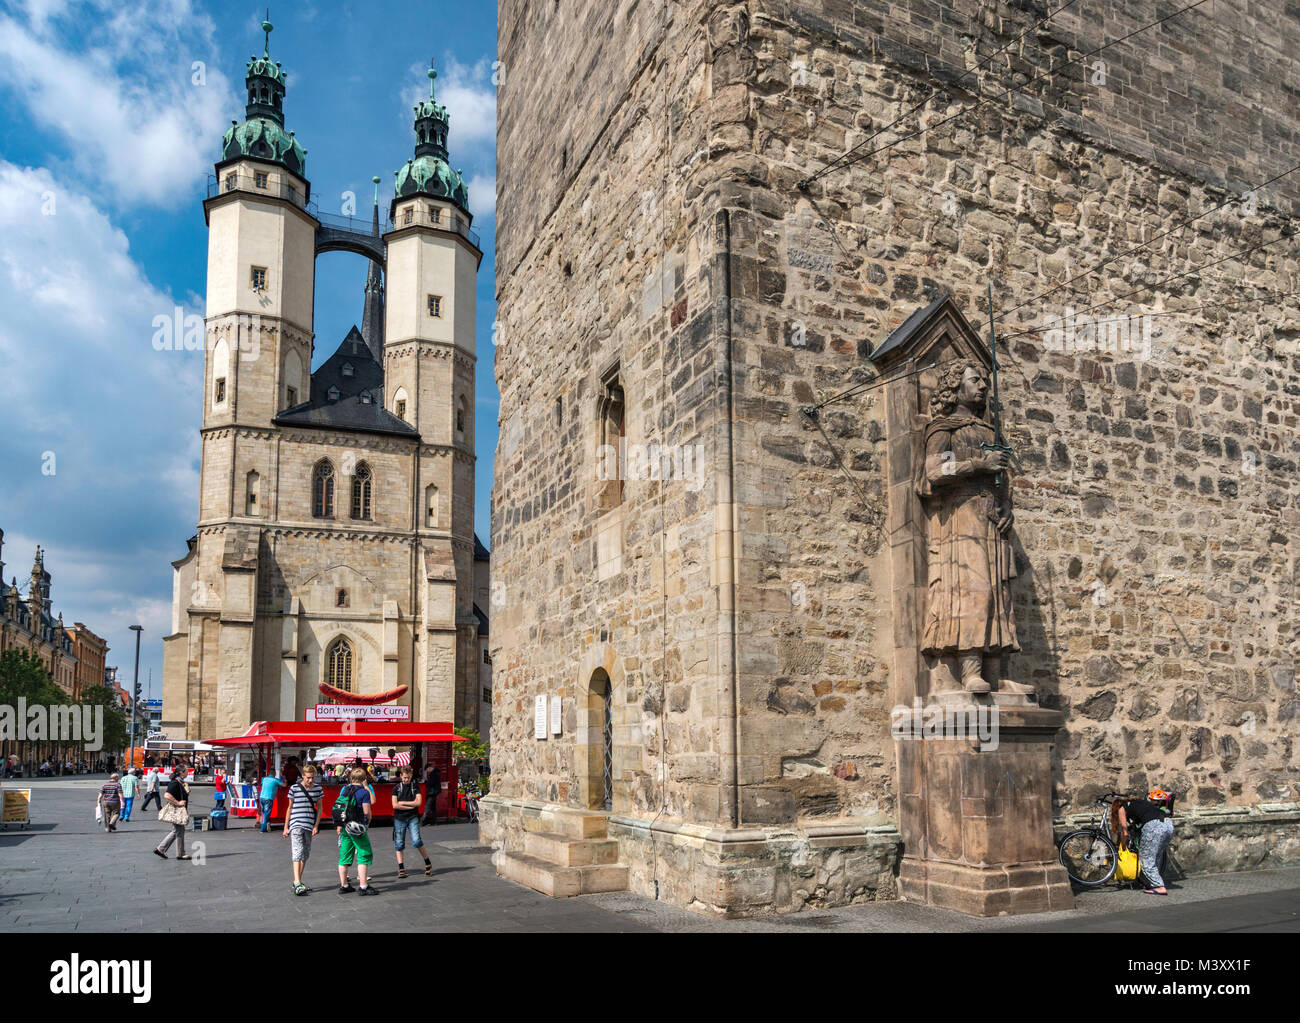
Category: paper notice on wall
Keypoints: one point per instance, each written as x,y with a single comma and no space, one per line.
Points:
555,715
539,719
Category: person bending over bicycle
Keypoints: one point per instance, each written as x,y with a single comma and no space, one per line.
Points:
1156,831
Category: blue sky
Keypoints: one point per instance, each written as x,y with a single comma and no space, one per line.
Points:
108,135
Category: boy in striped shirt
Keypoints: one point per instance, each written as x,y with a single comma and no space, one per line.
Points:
302,821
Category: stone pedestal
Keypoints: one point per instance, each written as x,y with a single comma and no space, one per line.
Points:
976,809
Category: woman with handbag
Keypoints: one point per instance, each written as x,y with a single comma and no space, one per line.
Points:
175,812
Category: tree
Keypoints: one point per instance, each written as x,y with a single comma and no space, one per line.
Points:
23,677
116,724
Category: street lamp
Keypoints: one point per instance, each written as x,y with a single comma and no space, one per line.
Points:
135,688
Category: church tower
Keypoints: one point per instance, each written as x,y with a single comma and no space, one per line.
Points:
429,306
335,546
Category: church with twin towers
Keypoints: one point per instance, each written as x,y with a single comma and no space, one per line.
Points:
335,538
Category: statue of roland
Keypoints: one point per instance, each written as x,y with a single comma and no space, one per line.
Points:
966,493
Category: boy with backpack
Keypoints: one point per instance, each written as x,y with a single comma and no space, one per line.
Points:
302,821
351,818
406,819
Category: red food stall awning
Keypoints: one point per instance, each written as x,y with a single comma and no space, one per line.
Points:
341,733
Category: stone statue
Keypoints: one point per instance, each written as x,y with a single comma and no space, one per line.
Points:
966,493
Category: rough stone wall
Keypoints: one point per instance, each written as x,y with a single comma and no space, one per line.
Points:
1156,493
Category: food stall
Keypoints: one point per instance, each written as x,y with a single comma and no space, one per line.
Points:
267,745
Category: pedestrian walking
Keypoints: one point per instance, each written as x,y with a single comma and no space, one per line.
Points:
175,812
352,823
302,822
151,790
110,802
266,799
130,786
406,818
433,786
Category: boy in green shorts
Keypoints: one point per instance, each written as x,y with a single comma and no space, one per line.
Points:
354,837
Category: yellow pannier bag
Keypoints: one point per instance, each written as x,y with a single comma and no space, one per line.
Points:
1127,867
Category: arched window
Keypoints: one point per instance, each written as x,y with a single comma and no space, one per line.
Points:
361,491
338,665
461,416
322,490
399,403
251,482
431,506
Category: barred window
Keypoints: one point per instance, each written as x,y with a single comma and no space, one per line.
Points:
361,482
338,665
322,504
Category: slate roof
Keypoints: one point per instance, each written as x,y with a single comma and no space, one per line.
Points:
482,620
905,329
347,411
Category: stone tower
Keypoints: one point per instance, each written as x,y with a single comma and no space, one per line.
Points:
715,238
335,539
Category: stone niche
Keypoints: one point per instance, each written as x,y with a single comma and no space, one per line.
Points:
975,816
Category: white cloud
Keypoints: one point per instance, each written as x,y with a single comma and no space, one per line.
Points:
482,196
83,382
471,101
137,128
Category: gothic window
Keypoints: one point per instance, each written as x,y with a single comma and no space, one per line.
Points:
322,490
461,417
435,305
610,422
399,403
401,409
257,278
251,482
338,665
431,506
341,598
361,481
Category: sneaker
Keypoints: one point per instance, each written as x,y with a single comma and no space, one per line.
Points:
370,890
300,889
345,888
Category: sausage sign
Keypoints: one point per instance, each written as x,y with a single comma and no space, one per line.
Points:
360,699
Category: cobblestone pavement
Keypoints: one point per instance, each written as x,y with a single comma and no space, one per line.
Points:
65,874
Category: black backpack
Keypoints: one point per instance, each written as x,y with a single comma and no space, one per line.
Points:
346,808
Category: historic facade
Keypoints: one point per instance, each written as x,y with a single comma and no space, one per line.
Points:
335,538
29,624
732,213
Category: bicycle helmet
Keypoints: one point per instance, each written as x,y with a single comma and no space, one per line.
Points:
355,828
1160,796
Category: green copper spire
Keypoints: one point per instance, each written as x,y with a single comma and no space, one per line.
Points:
262,133
429,173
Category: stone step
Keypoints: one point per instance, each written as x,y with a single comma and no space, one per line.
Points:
562,882
569,823
570,852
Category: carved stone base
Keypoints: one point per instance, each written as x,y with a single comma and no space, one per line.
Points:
986,891
976,814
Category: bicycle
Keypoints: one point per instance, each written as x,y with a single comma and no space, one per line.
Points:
1089,855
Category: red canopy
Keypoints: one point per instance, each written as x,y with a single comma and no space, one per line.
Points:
341,733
